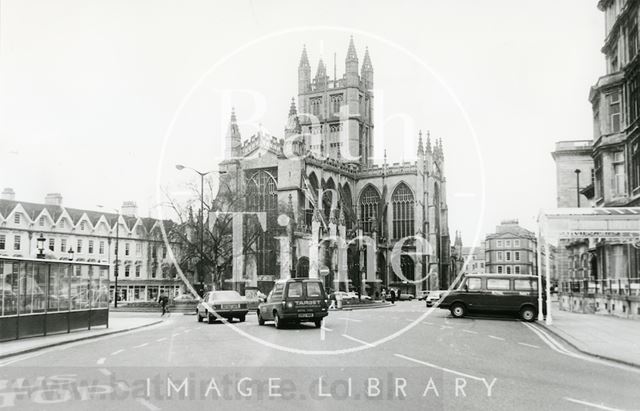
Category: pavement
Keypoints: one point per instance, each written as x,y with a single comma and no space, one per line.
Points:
401,357
607,337
118,322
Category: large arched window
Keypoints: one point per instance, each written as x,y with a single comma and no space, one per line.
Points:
403,211
348,205
262,195
262,192
369,200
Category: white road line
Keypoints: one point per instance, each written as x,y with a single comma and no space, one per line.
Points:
161,339
529,345
357,340
148,405
105,371
116,352
590,404
427,322
496,338
327,329
101,361
141,345
350,319
440,368
442,327
469,332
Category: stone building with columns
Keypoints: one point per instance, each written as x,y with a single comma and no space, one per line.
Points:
321,175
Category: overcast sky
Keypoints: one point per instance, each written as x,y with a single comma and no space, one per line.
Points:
99,99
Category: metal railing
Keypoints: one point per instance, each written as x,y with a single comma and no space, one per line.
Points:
617,286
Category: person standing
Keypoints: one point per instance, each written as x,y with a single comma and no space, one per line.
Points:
163,300
392,296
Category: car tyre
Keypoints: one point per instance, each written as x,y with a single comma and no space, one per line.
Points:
260,319
277,321
242,318
211,318
199,317
318,323
528,314
458,310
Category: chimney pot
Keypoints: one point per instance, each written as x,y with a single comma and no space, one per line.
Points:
8,194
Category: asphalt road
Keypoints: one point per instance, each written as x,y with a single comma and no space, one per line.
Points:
403,357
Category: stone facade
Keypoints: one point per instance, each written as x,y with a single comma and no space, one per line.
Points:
144,267
328,144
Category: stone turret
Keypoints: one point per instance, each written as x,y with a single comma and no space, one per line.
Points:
233,139
351,66
304,72
367,70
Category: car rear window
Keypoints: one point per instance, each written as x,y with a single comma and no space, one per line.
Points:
497,284
314,290
525,285
295,290
225,296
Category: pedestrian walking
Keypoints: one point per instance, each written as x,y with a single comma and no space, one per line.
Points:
384,295
163,300
392,296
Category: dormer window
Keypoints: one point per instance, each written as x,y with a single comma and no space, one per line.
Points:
82,226
41,222
17,218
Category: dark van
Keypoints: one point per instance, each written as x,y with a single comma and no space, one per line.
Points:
295,300
494,293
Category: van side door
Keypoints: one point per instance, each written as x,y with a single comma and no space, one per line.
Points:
274,301
473,293
499,294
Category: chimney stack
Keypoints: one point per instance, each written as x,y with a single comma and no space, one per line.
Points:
8,194
129,208
54,199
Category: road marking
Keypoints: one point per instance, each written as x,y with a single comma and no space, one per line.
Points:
590,404
327,329
161,339
141,345
427,322
496,338
148,405
439,367
357,340
116,352
105,371
554,345
469,332
101,361
350,319
186,331
442,327
529,345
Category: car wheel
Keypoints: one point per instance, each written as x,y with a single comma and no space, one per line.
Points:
528,314
242,318
211,318
458,310
277,321
260,319
318,323
199,317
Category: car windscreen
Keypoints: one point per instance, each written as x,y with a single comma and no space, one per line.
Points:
225,296
314,289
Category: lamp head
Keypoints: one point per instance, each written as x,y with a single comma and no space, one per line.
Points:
179,167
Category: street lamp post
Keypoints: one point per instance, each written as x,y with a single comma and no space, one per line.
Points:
577,171
181,167
116,269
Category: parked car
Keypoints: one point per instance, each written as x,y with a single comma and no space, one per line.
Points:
295,300
423,294
494,293
433,297
225,304
185,298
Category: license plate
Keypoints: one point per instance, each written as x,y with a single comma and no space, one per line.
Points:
227,306
305,315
